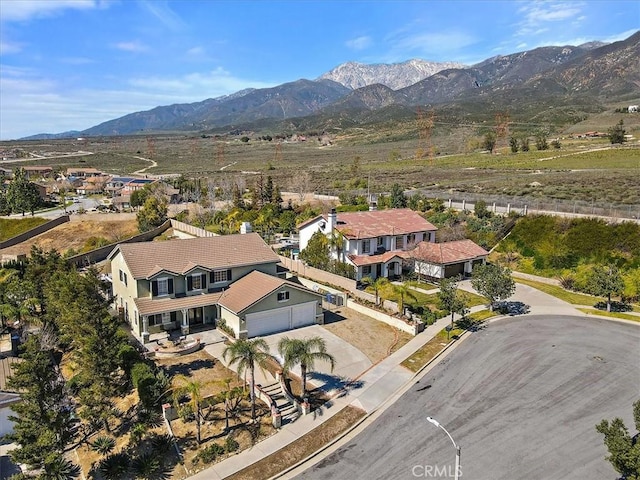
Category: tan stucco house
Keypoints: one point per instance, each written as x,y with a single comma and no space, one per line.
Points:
192,283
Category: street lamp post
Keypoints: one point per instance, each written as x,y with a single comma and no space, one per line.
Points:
457,447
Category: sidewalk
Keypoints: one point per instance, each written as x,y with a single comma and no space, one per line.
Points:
370,391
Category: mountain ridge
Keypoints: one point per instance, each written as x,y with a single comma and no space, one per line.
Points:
605,72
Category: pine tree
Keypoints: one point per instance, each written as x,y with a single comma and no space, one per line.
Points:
42,422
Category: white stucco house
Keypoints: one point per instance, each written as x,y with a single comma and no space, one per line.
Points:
375,242
447,259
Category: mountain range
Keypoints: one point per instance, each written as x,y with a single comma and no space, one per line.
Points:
549,84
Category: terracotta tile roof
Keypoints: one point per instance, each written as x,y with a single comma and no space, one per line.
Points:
377,223
252,288
448,252
179,256
360,260
153,306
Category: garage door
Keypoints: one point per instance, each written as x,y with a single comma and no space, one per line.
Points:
303,315
280,319
270,321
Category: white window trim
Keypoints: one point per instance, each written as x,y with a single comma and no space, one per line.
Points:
226,279
199,277
285,293
163,279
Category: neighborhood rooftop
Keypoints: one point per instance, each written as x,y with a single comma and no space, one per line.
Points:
250,289
146,259
448,252
378,223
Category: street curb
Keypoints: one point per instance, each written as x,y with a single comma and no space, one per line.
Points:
386,404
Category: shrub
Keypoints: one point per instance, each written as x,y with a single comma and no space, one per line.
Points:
209,454
615,306
230,445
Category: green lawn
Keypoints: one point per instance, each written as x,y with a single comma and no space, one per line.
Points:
430,300
559,292
10,227
624,316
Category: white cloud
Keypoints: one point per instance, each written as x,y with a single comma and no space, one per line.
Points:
23,92
23,10
7,48
134,47
359,43
162,11
537,15
429,43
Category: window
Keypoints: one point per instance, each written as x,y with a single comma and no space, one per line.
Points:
196,282
399,242
163,286
366,246
123,277
221,276
283,296
380,241
366,270
411,238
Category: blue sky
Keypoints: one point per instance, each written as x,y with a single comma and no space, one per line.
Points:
71,64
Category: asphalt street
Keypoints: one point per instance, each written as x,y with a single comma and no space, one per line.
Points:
521,397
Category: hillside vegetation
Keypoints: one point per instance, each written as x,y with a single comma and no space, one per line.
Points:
570,249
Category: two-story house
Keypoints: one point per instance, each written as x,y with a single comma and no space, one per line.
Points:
194,282
374,242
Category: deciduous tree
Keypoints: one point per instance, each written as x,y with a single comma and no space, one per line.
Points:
605,281
493,282
624,450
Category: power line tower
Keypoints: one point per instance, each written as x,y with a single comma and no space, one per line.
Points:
502,129
425,124
278,155
220,154
151,147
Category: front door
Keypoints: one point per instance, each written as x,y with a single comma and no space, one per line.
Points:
378,270
196,316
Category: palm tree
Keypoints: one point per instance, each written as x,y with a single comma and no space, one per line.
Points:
246,354
193,389
378,284
231,397
336,242
403,291
304,352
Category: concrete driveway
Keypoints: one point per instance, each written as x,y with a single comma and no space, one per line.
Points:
350,362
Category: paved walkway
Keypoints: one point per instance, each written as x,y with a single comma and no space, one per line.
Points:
369,392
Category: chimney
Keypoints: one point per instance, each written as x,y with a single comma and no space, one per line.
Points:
332,220
373,206
245,227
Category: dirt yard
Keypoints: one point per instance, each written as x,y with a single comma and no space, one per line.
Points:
76,233
201,367
375,339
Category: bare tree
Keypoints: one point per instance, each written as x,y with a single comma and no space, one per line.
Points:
301,184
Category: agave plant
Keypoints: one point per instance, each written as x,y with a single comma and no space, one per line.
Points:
103,445
59,468
162,443
115,466
146,465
